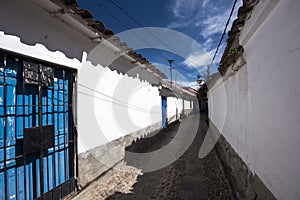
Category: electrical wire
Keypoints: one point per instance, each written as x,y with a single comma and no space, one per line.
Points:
128,28
224,33
149,32
113,100
141,25
170,48
154,36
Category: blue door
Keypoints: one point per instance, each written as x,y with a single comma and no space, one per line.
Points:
36,130
164,111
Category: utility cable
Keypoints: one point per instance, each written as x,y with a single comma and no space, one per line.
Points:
149,32
224,33
128,28
141,25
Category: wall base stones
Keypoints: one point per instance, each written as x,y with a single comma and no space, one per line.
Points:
95,163
245,185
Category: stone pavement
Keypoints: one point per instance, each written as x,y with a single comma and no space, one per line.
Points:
187,178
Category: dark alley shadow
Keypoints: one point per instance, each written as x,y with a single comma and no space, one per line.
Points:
186,178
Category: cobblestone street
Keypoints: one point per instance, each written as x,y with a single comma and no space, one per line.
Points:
187,178
149,100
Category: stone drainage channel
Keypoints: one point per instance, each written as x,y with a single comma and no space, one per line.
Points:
188,178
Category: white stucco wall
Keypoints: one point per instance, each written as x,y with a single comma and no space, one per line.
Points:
187,104
30,30
261,101
42,33
180,105
174,104
119,103
113,105
228,109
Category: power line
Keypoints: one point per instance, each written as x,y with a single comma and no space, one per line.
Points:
113,100
127,27
224,33
149,32
141,25
153,35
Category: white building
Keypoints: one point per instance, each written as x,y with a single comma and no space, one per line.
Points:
254,105
67,86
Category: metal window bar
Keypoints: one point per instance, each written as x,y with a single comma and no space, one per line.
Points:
64,125
53,153
23,110
30,114
4,125
15,108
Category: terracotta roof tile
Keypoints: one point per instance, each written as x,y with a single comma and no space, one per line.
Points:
98,26
233,48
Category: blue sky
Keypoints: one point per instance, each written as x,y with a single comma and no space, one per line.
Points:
202,20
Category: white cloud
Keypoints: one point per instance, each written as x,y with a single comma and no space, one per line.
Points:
192,84
208,18
186,13
176,24
205,3
216,23
176,8
213,24
207,44
197,59
190,12
200,60
182,8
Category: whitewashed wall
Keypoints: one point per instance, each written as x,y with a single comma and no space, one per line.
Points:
228,109
120,104
187,104
174,104
180,105
261,101
114,106
31,31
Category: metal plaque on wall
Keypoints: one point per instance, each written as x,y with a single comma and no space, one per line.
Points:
38,74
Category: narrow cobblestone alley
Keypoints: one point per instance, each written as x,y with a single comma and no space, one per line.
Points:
149,100
187,178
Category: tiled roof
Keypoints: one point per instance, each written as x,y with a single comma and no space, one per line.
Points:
177,91
88,18
233,49
99,27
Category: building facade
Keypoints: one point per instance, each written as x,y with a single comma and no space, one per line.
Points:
254,103
69,88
